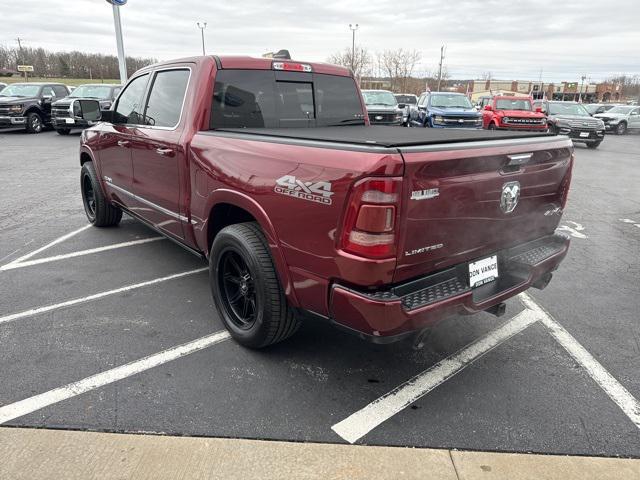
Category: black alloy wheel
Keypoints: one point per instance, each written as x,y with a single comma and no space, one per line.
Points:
100,212
34,123
88,197
246,289
238,289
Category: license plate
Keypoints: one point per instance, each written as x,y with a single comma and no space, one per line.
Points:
483,271
584,134
69,120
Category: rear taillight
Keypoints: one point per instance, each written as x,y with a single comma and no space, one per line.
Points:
371,220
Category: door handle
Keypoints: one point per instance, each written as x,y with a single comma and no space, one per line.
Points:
165,152
123,143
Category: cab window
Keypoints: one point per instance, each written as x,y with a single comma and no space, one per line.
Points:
166,98
129,107
47,91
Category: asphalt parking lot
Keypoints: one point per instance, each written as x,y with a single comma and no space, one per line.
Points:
114,330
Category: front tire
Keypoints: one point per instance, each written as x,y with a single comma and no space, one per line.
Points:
63,131
100,212
34,123
246,289
621,129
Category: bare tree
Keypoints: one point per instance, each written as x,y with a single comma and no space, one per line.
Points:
398,66
67,64
361,60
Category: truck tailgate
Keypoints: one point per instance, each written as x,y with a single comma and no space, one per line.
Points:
458,197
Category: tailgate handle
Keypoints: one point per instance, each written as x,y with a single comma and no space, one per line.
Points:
520,159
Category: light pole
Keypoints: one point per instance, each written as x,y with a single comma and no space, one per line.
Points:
353,44
202,26
122,61
581,84
440,68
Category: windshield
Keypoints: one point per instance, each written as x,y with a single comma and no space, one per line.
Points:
592,108
92,91
568,109
624,110
407,99
379,98
17,90
512,104
449,101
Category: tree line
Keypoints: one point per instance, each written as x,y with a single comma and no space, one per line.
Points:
66,64
398,66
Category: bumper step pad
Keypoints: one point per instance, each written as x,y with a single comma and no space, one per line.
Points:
453,281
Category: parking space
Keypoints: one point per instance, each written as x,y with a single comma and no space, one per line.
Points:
114,330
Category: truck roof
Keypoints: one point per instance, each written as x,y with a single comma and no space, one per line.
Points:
383,136
255,63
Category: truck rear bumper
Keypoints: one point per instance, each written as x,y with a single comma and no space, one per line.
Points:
388,315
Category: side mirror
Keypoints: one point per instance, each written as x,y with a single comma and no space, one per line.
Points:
47,98
90,110
488,108
538,110
401,105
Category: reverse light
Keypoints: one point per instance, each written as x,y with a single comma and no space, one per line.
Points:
370,223
291,67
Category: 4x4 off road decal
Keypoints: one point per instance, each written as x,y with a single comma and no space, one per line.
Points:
319,192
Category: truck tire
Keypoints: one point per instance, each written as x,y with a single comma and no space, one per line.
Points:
246,289
63,131
621,129
100,212
34,123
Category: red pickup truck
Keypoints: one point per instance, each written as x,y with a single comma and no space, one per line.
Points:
512,113
269,170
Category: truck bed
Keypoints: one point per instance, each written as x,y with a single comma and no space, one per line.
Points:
387,136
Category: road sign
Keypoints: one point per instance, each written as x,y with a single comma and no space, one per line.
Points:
25,68
118,3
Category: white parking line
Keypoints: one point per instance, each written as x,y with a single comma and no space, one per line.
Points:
95,296
620,395
363,421
50,244
37,402
15,264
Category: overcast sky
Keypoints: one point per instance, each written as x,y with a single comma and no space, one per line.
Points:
513,40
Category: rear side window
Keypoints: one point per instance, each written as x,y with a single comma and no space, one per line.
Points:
255,99
166,98
60,91
129,108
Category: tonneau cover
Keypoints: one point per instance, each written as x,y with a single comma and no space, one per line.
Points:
387,136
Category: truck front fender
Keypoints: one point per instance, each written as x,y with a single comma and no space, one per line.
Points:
249,205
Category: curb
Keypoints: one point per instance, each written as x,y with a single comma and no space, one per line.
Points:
75,455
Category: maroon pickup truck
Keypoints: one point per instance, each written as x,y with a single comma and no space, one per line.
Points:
270,170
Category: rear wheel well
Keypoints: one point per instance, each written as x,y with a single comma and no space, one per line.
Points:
223,215
84,158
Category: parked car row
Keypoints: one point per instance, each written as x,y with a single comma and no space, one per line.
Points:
35,106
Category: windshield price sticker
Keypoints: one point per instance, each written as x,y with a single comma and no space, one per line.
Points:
483,271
